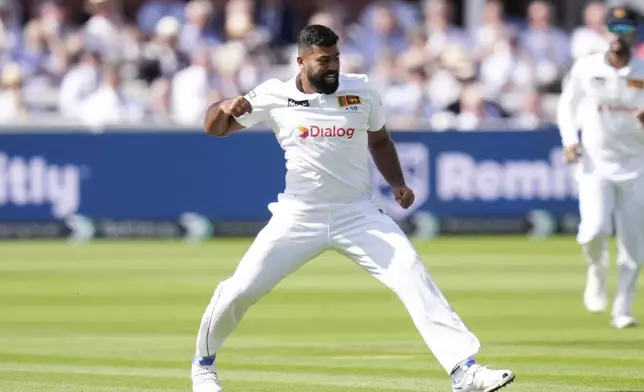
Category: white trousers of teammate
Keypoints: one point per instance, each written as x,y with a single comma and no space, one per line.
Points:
600,201
296,234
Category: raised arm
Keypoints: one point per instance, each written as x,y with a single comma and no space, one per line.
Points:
232,114
220,117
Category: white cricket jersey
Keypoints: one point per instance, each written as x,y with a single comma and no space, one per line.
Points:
324,137
602,102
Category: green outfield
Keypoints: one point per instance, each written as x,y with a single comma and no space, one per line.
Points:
122,316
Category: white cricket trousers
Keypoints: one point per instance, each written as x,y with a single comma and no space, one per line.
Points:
297,233
600,202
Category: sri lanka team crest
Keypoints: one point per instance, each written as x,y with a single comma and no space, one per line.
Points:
349,100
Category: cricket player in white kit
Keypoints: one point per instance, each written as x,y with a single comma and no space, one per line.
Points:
604,98
328,124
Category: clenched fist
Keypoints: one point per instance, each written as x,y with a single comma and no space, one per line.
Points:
236,106
404,196
572,153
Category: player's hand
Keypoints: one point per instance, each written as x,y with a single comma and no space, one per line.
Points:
236,106
404,196
572,153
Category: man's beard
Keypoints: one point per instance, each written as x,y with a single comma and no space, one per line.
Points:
623,49
322,85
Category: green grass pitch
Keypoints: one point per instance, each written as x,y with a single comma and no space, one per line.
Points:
122,316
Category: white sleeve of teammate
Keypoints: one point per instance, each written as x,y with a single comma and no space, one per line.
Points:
376,117
261,100
567,108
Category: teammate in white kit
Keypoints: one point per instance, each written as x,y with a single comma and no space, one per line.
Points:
328,124
604,98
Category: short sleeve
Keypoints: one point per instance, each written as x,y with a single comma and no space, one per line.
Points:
376,117
261,99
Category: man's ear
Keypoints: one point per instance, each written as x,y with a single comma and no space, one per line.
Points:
300,62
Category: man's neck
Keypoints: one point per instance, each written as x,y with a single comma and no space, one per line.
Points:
304,85
618,60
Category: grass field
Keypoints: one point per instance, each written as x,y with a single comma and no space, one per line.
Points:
122,316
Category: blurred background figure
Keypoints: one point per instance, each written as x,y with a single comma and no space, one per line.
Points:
105,28
12,100
81,81
530,114
439,18
472,110
193,88
10,31
407,102
591,37
152,11
493,29
176,56
507,72
161,57
109,105
547,45
196,32
384,34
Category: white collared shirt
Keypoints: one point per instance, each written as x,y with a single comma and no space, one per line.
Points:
602,102
324,137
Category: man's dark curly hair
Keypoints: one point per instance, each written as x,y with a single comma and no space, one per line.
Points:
316,35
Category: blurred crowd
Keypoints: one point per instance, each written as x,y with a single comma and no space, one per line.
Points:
167,63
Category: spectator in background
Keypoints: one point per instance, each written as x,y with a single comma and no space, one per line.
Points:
104,29
43,57
530,115
444,85
244,39
196,33
82,80
240,25
243,51
591,37
277,19
53,19
406,13
440,29
507,71
10,32
152,11
383,34
406,104
385,73
472,111
492,31
416,54
161,57
193,88
108,105
228,61
12,100
159,102
547,46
